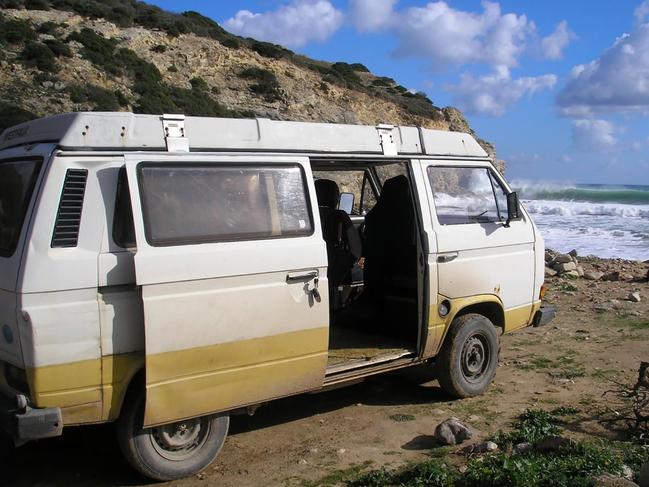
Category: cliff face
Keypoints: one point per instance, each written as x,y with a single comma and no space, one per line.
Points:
54,61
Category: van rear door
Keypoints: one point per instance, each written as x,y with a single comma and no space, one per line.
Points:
18,177
229,252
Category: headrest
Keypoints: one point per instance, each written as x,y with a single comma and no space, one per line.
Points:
395,189
327,192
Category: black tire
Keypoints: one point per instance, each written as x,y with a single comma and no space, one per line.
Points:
468,360
170,451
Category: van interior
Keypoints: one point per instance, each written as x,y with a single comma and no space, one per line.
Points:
370,227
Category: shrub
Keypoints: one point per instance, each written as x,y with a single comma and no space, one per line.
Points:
359,67
48,27
11,115
266,83
199,84
58,48
37,5
11,4
269,50
172,69
97,49
36,54
383,81
159,48
103,100
232,43
16,31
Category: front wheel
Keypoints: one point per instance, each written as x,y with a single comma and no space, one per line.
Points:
469,357
171,451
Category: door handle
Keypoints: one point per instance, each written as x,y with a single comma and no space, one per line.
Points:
448,257
301,276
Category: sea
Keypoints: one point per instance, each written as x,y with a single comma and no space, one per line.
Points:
610,221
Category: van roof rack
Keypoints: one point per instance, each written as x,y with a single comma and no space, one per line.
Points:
177,133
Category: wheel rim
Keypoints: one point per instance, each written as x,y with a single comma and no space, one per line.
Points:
179,441
475,357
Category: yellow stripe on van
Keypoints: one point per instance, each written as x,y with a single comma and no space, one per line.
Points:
64,385
198,381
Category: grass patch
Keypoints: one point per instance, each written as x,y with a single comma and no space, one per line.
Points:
564,367
402,418
339,476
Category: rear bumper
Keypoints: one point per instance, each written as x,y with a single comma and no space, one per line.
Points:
27,424
544,315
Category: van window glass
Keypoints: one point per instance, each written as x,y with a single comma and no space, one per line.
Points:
123,227
350,182
501,197
17,181
463,195
388,171
198,203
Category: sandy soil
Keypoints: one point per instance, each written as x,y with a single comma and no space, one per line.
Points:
322,438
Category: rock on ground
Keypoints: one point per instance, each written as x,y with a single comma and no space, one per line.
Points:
643,476
607,480
634,297
452,432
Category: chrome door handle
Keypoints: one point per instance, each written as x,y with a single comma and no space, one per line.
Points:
448,257
301,276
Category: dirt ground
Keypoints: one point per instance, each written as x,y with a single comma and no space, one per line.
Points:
321,439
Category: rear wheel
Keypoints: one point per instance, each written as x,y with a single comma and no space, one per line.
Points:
170,451
469,357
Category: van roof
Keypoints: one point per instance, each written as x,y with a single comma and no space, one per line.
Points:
128,131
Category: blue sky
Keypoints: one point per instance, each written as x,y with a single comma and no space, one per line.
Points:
561,88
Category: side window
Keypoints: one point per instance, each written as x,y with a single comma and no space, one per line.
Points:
351,182
465,195
123,227
200,203
388,171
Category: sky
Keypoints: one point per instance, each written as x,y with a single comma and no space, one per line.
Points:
560,87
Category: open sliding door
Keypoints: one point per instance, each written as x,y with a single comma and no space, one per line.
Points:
229,250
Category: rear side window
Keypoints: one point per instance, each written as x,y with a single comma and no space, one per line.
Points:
466,195
17,181
199,203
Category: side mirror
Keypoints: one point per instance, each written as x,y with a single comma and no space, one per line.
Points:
346,202
513,208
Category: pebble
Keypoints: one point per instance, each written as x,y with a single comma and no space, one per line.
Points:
634,297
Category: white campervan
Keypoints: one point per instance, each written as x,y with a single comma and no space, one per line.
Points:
164,272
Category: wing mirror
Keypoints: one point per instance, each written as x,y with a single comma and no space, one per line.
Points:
513,208
346,202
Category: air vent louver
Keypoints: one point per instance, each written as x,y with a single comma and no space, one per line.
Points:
68,218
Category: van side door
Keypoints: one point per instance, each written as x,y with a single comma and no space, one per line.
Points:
477,253
233,270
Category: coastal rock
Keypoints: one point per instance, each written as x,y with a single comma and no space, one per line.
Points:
548,256
562,258
608,480
550,272
634,297
573,274
552,443
580,271
617,276
452,432
593,275
565,266
573,253
643,475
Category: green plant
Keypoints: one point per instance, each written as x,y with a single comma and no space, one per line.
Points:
48,27
159,48
36,54
11,115
402,418
97,49
266,83
103,100
16,31
269,50
199,84
58,48
37,5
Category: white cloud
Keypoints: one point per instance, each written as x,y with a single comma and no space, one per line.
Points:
553,45
372,15
447,36
593,134
493,94
641,13
617,81
292,25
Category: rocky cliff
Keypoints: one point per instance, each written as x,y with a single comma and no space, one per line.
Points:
72,55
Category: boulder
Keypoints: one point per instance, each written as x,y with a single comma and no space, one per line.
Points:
480,448
548,256
565,267
616,276
643,475
573,274
608,480
573,253
634,297
580,271
550,272
593,275
452,432
551,444
562,258
522,448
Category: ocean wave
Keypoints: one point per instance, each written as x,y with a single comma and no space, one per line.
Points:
628,194
544,207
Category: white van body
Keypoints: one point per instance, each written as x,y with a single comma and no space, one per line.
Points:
212,324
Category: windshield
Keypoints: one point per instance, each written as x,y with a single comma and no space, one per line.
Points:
17,180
